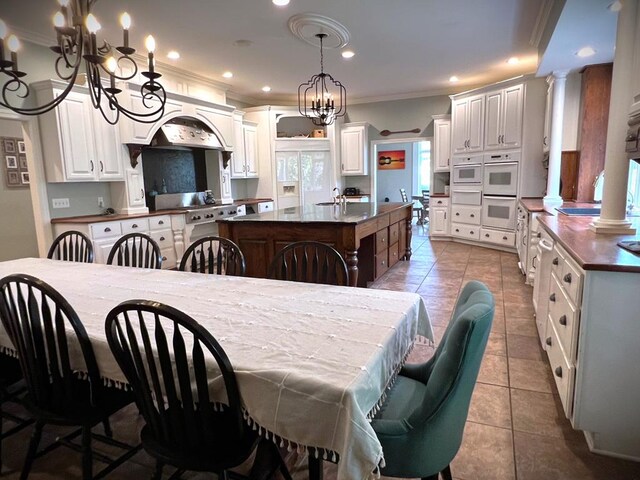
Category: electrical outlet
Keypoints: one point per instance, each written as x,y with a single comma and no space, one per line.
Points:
60,202
100,202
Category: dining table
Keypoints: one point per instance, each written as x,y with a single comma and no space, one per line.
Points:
313,362
424,213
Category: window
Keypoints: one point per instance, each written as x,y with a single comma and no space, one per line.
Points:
422,167
633,188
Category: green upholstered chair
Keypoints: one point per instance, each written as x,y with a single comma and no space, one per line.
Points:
420,426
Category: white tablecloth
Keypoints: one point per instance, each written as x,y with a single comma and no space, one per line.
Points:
312,361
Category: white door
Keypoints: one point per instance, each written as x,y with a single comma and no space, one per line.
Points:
442,154
352,151
109,149
238,166
438,224
250,135
476,120
512,117
459,126
315,177
225,183
135,185
493,123
76,129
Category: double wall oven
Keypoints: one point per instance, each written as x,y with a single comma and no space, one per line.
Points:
500,189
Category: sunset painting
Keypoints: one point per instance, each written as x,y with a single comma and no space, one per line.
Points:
391,160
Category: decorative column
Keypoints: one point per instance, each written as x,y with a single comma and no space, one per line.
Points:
553,198
616,164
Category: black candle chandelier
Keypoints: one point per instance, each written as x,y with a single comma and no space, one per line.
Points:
316,102
76,28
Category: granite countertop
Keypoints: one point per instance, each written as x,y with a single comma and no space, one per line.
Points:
349,213
171,211
439,195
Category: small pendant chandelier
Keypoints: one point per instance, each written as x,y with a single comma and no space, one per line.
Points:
77,45
316,101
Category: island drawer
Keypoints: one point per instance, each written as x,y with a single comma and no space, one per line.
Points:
135,225
394,254
557,260
394,233
382,263
571,280
160,222
382,222
564,316
397,215
382,240
105,229
466,214
562,370
465,231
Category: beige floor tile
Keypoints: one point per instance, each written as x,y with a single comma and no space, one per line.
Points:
486,453
521,346
494,370
531,375
521,326
539,413
497,344
490,405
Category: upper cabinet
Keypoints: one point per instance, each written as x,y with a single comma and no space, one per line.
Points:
503,124
441,144
354,141
79,145
467,124
244,161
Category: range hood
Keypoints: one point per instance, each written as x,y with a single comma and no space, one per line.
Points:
185,132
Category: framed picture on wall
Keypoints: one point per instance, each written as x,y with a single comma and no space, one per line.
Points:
21,147
391,160
12,161
22,162
25,178
9,145
13,179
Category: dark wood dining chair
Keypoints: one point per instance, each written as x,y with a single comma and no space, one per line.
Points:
44,329
135,250
417,210
310,262
72,246
215,255
167,358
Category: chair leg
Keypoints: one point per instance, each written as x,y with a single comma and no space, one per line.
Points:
33,449
107,428
446,473
157,473
316,471
1,435
432,477
87,460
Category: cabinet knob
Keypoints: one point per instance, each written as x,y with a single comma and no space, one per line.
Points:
487,235
567,278
548,341
563,320
555,261
164,259
471,232
107,229
457,230
457,214
161,222
538,235
552,297
558,372
504,238
135,225
162,239
473,215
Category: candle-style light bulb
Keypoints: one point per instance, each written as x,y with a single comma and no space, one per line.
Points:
63,3
125,21
58,20
92,24
14,45
112,64
3,30
150,43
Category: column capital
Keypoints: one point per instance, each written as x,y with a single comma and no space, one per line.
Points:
560,74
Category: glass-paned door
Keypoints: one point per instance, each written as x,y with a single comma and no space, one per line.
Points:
315,177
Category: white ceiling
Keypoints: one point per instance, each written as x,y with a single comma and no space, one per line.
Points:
404,48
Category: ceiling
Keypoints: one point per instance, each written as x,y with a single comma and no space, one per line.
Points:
404,49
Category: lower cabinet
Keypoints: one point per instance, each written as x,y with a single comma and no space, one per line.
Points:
438,216
390,246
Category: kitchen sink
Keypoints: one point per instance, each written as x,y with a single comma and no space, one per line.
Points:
327,203
593,212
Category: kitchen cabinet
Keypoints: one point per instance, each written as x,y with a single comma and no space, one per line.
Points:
467,124
503,121
79,145
438,216
354,142
244,162
441,143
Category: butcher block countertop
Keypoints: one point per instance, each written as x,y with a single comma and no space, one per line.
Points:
592,251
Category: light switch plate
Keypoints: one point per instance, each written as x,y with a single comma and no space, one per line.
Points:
60,202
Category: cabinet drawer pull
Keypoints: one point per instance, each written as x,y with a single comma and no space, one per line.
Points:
563,320
101,166
473,215
538,235
164,259
552,297
457,230
558,372
135,225
161,222
439,202
457,214
107,229
162,239
91,162
487,235
567,278
504,238
555,261
471,232
548,341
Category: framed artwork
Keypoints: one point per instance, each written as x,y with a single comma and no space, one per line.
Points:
13,157
391,160
9,145
13,179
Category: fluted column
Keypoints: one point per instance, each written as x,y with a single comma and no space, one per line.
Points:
553,198
616,164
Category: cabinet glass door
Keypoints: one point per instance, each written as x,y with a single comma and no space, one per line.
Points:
287,166
315,176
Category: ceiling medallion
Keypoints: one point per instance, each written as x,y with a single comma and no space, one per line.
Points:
306,26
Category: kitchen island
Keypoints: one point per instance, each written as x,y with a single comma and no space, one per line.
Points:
372,237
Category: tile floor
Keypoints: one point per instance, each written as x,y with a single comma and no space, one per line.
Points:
516,428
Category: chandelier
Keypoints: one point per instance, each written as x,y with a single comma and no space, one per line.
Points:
76,32
316,102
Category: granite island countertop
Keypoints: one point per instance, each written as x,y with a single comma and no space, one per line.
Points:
349,213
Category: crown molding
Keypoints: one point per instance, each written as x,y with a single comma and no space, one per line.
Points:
542,19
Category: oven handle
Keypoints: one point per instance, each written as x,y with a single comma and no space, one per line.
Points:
467,191
490,164
468,165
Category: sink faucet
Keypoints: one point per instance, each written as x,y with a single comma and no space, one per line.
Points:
336,197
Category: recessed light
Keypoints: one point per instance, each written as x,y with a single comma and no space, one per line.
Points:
586,52
513,61
266,88
227,75
242,43
615,6
280,3
453,79
173,55
348,54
